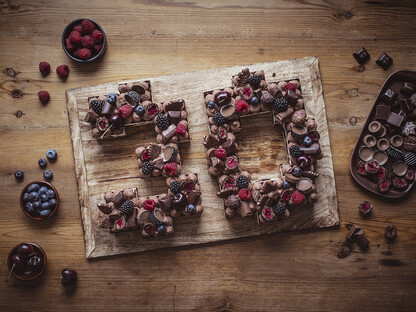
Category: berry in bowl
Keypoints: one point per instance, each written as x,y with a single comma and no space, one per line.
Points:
39,200
83,40
26,261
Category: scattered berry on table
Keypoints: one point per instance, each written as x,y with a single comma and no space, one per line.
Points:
51,154
44,68
19,175
48,175
44,96
42,162
62,71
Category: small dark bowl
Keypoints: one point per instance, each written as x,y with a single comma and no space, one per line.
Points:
37,217
68,30
27,276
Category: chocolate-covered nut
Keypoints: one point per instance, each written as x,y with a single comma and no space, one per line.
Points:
361,55
233,201
384,61
174,105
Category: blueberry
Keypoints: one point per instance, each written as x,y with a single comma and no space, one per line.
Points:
33,187
44,198
190,208
45,206
286,185
307,141
45,213
254,100
51,154
18,175
139,110
37,205
43,190
42,162
112,98
33,196
210,104
50,193
52,203
25,197
29,207
48,175
297,172
161,229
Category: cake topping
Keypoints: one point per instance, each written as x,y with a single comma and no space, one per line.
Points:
244,194
222,98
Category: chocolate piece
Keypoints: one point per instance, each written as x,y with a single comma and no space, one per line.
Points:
406,105
390,232
217,163
233,202
400,168
164,203
174,105
150,229
382,112
381,157
118,199
305,185
157,217
228,111
119,225
361,55
154,150
169,153
105,208
139,87
299,132
384,61
230,147
292,97
410,143
389,96
410,158
311,150
132,220
374,127
395,119
394,152
409,128
115,214
174,117
383,185
210,141
158,164
365,153
408,88
361,239
396,140
193,197
108,109
91,117
245,209
169,132
370,140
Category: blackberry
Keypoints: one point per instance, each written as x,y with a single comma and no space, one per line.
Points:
175,187
280,105
97,106
254,81
127,207
162,121
295,151
279,210
147,167
134,96
242,181
219,119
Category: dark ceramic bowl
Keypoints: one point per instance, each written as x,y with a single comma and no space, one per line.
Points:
94,55
27,275
36,216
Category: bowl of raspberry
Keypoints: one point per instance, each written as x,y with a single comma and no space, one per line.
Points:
83,40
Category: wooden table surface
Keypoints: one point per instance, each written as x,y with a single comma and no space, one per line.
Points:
289,271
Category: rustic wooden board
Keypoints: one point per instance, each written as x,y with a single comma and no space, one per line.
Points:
110,164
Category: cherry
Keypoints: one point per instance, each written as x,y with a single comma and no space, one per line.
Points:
222,98
18,262
69,277
35,263
116,121
25,249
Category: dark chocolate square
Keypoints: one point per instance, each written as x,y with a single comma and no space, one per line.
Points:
384,61
389,96
361,55
382,112
395,119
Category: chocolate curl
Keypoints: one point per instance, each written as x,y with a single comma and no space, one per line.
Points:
245,210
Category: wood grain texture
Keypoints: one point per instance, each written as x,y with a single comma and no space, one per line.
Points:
281,272
110,164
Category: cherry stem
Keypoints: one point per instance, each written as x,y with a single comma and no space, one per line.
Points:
106,130
10,273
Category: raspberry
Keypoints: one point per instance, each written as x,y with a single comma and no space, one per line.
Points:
254,81
181,130
220,153
62,71
279,210
242,181
127,207
78,28
75,37
162,122
219,119
290,86
69,45
286,196
44,68
76,53
125,111
244,194
43,96
241,106
97,36
87,42
171,169
298,197
149,204
295,151
97,47
280,105
147,167
175,187
84,54
87,27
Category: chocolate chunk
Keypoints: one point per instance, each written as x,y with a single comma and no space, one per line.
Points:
292,97
408,88
394,152
389,96
361,239
108,109
210,141
311,150
154,150
193,197
361,55
174,105
406,105
174,117
91,117
132,220
105,208
159,164
230,147
245,209
395,119
217,163
384,61
164,203
118,199
169,132
115,214
382,112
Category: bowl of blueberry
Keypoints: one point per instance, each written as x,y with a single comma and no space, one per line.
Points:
39,200
26,261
